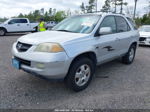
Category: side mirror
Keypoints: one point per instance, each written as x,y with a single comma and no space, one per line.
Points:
105,30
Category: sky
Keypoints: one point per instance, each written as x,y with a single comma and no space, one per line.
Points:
9,8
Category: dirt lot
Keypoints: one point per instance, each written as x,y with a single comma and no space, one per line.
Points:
115,85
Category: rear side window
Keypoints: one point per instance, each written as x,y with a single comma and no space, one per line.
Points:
132,23
23,21
109,22
122,25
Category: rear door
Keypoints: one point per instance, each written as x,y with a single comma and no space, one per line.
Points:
24,25
124,34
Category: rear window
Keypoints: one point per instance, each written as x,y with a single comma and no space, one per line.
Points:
23,21
122,25
132,23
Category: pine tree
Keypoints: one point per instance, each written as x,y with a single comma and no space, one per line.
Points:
91,6
106,7
83,7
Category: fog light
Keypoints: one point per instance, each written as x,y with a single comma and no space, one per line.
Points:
40,65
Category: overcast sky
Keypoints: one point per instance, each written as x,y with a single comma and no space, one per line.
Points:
9,8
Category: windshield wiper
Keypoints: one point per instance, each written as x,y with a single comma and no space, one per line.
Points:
64,30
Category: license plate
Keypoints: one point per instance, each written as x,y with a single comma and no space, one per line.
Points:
16,63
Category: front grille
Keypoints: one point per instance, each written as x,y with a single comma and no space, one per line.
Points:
22,47
24,62
142,39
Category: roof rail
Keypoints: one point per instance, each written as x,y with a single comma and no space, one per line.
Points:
106,12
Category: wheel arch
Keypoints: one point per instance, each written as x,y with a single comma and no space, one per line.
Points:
3,28
90,54
134,43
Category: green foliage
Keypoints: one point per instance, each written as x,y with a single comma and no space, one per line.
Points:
59,16
3,19
50,15
145,20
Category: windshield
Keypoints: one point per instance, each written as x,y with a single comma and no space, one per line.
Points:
145,29
78,24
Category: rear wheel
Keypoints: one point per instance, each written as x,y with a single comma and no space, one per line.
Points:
80,74
129,57
2,32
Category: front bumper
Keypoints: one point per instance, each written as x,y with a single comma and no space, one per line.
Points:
144,41
49,65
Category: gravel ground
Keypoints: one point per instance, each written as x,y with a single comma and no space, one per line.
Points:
115,85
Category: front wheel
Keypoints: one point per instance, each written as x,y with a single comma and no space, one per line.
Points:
80,74
2,32
129,57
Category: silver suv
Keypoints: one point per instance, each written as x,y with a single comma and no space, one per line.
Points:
73,48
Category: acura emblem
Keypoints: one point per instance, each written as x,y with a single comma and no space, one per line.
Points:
19,46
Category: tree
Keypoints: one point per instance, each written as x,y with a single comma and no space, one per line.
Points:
50,12
20,15
82,7
114,2
121,3
60,15
91,5
106,7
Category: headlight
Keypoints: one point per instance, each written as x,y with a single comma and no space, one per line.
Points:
49,47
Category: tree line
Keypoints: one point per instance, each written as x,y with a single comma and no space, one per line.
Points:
109,6
116,6
50,15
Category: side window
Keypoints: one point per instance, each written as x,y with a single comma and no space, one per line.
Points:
109,22
122,25
132,23
23,21
13,21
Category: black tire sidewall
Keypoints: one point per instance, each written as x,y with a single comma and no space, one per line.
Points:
4,32
70,79
126,59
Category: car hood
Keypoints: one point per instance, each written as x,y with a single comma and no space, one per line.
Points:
50,36
144,34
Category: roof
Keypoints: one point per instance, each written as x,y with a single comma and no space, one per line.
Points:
104,14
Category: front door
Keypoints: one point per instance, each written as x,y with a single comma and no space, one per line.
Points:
13,25
108,45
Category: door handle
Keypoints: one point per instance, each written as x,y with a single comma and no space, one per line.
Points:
18,24
27,24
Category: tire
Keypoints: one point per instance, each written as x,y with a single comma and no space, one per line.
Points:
2,32
130,55
80,74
